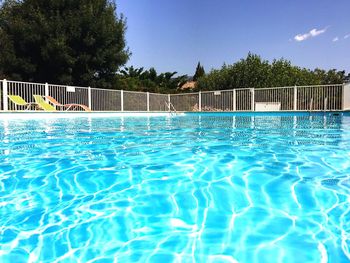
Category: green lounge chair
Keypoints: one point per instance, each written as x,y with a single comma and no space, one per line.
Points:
19,101
42,104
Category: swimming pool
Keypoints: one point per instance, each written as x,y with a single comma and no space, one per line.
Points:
192,188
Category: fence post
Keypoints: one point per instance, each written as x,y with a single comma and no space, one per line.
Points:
200,101
4,95
46,91
89,97
234,100
295,98
169,102
253,99
122,100
147,101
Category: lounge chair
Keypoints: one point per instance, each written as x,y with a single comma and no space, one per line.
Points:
19,101
70,106
42,104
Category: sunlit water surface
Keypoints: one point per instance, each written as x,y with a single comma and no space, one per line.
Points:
196,188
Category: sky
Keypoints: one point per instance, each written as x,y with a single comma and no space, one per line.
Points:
174,35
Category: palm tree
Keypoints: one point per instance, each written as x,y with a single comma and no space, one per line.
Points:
131,72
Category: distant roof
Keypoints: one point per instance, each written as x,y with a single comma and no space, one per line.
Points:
189,85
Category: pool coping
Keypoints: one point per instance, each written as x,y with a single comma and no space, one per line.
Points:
106,114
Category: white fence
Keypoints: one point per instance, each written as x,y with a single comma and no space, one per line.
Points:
301,98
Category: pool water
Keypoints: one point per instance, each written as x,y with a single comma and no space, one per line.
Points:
193,188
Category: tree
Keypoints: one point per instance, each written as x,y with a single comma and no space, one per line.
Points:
334,77
138,79
200,72
254,72
78,42
132,72
347,79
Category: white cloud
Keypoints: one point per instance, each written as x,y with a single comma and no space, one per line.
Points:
346,36
313,33
335,39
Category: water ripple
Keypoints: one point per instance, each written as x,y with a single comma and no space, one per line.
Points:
183,189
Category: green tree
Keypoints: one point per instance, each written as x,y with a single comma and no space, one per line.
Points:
254,72
131,72
333,77
200,72
78,42
138,79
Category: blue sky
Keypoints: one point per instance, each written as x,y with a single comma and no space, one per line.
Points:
173,35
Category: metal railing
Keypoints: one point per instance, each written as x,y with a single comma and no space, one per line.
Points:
185,101
106,100
170,107
297,98
311,104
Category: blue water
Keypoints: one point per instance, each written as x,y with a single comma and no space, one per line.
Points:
196,188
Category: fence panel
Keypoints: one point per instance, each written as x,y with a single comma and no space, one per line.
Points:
315,97
284,96
69,94
243,100
105,100
217,100
302,98
1,95
157,102
24,89
135,101
185,102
